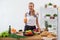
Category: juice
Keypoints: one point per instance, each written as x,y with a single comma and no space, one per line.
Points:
25,20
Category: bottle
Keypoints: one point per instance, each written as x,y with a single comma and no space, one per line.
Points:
46,26
9,29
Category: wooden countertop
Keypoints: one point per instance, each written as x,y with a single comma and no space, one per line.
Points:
35,37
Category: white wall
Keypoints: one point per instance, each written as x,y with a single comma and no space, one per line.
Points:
12,12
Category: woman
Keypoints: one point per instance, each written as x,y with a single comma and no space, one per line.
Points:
31,18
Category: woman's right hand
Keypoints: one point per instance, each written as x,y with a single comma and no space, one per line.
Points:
25,20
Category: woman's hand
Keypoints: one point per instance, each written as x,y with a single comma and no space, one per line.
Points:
25,20
39,29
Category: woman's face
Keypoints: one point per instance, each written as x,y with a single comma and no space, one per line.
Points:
31,7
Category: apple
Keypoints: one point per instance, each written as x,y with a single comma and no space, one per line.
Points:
35,30
25,34
28,32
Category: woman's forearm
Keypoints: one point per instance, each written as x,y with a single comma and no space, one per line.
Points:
38,25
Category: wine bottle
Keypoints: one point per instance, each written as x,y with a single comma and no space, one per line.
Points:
46,25
9,29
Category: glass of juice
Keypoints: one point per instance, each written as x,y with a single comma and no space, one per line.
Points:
25,20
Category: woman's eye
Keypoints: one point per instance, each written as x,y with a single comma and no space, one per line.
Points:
30,6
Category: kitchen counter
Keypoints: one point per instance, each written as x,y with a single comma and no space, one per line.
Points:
35,37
